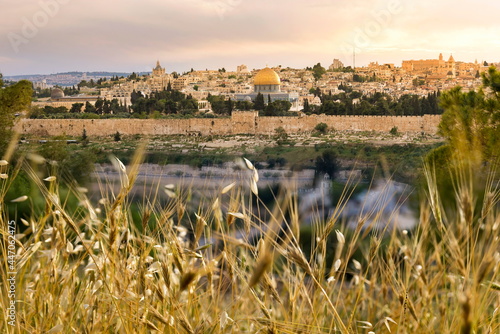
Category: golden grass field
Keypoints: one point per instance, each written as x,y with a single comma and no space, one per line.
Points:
195,270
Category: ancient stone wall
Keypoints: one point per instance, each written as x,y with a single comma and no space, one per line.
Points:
239,123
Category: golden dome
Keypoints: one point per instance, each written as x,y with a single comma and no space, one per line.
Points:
267,76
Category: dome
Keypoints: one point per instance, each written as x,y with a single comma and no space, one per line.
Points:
267,76
158,67
56,93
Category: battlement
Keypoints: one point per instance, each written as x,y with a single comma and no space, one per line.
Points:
241,122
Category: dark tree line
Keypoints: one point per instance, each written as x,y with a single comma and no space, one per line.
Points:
222,107
101,107
379,104
167,101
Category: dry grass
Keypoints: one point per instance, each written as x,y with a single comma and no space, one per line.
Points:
198,271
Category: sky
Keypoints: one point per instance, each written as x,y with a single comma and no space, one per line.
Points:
51,36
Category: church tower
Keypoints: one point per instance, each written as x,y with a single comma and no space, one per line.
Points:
450,66
158,71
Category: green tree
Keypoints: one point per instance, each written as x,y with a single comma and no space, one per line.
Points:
471,125
98,106
229,106
277,108
307,108
280,135
244,105
327,163
259,102
55,149
89,108
491,80
321,127
132,77
85,138
318,71
76,108
218,103
13,99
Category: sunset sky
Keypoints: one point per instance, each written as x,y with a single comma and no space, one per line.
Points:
49,36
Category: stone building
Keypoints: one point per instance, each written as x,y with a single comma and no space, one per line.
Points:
440,68
337,64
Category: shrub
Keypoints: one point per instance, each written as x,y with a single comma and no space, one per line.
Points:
280,136
321,127
394,131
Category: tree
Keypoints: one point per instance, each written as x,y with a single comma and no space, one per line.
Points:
99,106
218,103
84,135
280,136
277,108
471,121
471,125
318,71
244,105
307,108
418,82
80,166
259,102
229,106
55,149
132,77
13,99
327,163
492,81
85,138
321,127
134,96
76,108
89,108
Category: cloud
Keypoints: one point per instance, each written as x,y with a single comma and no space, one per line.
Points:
130,34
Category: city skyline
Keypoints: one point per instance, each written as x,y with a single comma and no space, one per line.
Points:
51,36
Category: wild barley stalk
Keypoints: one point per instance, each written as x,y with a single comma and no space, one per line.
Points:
186,268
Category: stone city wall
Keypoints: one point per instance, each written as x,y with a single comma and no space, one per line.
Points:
239,123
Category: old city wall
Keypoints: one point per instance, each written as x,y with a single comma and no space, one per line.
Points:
107,127
239,123
413,124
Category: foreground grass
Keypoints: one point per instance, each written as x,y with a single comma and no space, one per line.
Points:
203,270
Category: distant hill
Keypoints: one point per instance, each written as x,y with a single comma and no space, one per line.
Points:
68,78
